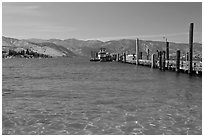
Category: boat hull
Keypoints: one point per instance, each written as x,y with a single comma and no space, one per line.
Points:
94,60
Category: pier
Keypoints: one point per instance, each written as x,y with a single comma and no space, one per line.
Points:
161,60
170,65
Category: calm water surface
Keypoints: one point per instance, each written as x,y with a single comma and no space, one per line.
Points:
75,96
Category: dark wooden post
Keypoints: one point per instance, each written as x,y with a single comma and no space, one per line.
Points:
160,60
167,54
178,60
190,48
124,57
147,54
140,55
163,61
96,55
137,51
187,56
119,59
153,61
167,50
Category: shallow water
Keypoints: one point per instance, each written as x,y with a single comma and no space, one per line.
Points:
75,96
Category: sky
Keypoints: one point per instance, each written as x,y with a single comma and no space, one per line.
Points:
102,20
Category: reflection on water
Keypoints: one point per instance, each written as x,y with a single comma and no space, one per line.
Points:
75,96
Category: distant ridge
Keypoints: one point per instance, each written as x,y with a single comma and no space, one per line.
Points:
71,47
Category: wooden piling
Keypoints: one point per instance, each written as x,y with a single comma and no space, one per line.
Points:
147,54
177,60
118,57
153,60
160,60
167,54
167,50
124,57
96,55
163,61
187,56
140,55
190,49
137,51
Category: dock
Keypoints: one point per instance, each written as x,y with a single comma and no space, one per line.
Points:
161,60
183,67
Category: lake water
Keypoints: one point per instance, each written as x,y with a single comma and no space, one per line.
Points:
75,96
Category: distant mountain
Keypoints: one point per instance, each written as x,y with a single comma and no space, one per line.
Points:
70,47
53,46
119,46
79,47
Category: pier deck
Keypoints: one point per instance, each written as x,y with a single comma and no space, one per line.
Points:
183,67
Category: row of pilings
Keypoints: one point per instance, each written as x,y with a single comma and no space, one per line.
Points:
161,59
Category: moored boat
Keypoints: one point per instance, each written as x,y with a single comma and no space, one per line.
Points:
101,56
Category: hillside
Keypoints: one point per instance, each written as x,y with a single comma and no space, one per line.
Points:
78,47
71,47
85,47
45,48
129,45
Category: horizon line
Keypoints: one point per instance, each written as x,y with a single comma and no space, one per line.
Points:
112,38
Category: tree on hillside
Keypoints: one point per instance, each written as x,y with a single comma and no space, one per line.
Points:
22,52
27,52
